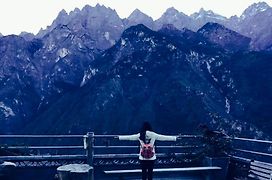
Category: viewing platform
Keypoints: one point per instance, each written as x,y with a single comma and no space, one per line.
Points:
193,157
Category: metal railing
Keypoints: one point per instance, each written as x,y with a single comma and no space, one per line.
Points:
246,149
87,148
241,148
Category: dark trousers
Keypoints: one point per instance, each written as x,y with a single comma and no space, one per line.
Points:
147,169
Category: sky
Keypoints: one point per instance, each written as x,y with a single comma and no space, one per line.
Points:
32,15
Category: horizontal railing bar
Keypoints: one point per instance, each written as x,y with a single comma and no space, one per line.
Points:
253,152
43,147
170,147
98,156
252,140
41,136
105,136
113,136
240,158
77,136
96,147
191,136
105,156
41,157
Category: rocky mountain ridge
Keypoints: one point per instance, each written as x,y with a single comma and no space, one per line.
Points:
85,72
255,23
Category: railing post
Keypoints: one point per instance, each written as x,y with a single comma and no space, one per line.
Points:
89,146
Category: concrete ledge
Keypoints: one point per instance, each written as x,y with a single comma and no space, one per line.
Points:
75,172
6,169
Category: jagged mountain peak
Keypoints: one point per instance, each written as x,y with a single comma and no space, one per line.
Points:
211,26
62,17
138,14
207,14
203,11
101,23
98,10
87,8
224,37
173,16
99,5
259,6
217,28
234,18
139,37
62,12
138,17
255,9
171,11
74,12
140,28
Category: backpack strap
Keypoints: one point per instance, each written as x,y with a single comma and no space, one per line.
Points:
152,142
142,143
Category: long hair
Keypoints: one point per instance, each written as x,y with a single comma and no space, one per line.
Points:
146,127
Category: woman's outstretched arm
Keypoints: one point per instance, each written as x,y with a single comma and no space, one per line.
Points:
160,137
133,137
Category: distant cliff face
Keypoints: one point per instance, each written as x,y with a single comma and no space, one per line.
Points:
103,25
18,78
35,73
256,23
85,72
175,80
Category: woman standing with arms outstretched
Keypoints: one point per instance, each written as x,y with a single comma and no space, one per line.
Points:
147,155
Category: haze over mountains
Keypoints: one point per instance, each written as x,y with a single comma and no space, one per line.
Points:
91,69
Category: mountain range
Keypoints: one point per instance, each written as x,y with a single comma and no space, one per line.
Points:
106,26
91,69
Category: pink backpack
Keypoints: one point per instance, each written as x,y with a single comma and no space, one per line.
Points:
147,151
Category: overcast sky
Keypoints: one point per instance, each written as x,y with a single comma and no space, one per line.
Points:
31,15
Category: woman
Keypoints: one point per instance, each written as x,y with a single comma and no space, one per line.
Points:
147,154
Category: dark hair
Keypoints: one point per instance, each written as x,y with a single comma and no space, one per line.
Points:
146,127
